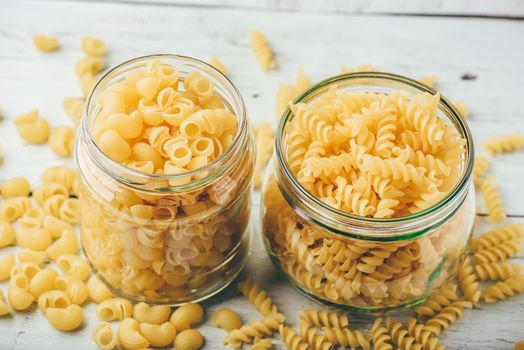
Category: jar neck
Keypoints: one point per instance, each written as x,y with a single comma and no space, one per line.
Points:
160,183
314,210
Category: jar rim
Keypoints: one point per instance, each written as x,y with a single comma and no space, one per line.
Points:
105,162
444,104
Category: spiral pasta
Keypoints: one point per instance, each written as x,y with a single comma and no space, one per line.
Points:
493,199
504,289
315,341
346,337
427,339
468,281
505,144
291,339
480,166
262,50
324,318
497,236
400,336
261,344
444,297
497,271
448,315
256,329
257,297
498,252
380,337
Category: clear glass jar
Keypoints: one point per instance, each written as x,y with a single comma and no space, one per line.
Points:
359,262
197,241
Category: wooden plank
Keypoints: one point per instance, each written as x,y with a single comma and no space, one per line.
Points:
488,8
318,44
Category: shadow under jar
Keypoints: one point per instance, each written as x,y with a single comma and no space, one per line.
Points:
157,237
358,262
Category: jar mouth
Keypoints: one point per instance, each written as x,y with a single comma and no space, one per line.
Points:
381,80
215,168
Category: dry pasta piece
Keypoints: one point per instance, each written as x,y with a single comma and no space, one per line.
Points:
450,314
114,309
261,344
129,336
316,341
46,43
31,220
60,174
186,316
226,319
32,128
74,287
153,314
7,234
67,319
73,107
463,108
47,190
286,93
93,46
70,211
519,345
504,144
264,138
189,339
158,335
480,167
468,281
62,141
73,265
53,298
42,282
498,271
87,82
347,337
4,308
324,318
423,337
380,336
215,62
29,255
444,297
104,336
504,289
257,297
400,336
39,239
66,244
291,339
18,292
89,65
429,80
15,187
497,236
493,199
98,291
498,252
6,264
259,328
263,52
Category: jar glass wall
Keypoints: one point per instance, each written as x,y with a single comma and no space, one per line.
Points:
193,235
362,263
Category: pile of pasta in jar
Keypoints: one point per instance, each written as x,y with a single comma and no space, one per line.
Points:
369,202
166,161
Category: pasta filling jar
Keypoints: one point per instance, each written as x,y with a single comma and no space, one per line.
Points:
368,203
166,161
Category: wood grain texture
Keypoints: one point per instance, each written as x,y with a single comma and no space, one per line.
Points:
320,44
488,8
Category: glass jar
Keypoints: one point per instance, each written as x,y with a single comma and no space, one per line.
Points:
196,242
361,263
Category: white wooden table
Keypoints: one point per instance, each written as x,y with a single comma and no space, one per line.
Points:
316,36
